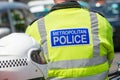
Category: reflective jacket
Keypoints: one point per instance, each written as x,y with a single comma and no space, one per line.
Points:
77,42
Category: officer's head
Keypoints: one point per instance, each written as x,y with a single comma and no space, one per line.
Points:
60,1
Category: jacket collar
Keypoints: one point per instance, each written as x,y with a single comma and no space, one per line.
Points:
64,5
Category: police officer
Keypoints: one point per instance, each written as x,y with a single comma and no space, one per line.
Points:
77,43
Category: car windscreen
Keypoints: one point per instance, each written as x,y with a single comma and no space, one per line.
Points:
112,10
4,19
40,14
109,10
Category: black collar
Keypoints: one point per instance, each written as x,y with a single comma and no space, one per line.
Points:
64,5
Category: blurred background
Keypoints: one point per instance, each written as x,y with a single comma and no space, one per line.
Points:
16,15
26,1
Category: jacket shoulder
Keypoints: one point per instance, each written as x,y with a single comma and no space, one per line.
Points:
33,22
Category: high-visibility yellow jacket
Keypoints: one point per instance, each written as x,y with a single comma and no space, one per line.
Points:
77,42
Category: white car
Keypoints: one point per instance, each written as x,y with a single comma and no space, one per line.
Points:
20,59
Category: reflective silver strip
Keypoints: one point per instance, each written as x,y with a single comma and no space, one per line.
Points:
96,41
101,76
77,63
43,35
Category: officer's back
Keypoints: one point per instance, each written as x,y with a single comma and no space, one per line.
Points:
77,43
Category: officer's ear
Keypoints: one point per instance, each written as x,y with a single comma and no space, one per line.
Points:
42,58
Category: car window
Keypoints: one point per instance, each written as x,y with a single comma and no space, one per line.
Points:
40,14
4,20
29,16
18,20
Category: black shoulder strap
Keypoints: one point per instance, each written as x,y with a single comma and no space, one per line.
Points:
96,11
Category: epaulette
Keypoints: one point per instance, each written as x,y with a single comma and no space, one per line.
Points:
96,11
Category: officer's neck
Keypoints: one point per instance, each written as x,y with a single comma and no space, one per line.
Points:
59,1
